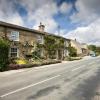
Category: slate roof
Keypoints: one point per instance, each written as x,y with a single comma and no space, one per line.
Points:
5,24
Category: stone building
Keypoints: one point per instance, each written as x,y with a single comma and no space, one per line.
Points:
82,49
23,40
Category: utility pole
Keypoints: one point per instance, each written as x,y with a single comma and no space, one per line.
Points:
59,29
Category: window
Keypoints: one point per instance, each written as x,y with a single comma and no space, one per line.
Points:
13,52
40,39
14,36
66,44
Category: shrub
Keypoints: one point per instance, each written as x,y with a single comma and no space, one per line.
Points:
21,61
4,51
36,54
72,58
72,52
18,66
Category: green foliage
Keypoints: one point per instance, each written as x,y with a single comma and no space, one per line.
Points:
50,46
4,51
36,54
61,43
50,43
97,50
72,58
72,52
92,47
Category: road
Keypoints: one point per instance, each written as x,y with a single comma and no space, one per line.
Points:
76,80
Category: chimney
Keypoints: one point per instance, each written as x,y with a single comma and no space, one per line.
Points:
75,39
41,27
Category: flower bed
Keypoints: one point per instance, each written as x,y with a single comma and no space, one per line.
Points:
34,64
72,58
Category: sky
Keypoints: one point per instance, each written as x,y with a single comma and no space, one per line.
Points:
74,19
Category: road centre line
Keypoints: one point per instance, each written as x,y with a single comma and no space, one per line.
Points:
78,68
31,85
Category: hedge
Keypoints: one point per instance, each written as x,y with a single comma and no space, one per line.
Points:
4,51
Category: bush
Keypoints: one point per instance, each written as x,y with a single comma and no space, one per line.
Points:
72,58
72,52
36,54
21,61
4,51
18,66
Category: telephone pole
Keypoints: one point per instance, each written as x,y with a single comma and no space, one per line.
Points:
59,29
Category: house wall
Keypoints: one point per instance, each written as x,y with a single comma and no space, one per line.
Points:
31,38
2,30
24,36
77,46
66,44
82,49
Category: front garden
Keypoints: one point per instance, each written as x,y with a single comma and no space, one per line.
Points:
52,46
7,63
19,63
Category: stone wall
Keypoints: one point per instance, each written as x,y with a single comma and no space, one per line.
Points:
24,37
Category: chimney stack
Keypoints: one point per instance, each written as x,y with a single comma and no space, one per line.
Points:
75,39
41,27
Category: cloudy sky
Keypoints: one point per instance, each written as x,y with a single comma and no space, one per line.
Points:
78,19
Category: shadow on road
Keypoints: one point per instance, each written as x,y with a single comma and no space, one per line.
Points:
87,90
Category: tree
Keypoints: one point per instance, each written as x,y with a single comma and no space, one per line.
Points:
4,51
92,47
98,50
72,51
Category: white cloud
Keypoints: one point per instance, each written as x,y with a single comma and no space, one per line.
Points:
89,34
33,5
37,11
43,11
88,14
15,19
88,10
45,15
8,13
65,7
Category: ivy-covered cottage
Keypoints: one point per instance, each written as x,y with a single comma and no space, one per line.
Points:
25,42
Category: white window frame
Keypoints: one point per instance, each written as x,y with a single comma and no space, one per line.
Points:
17,53
40,39
66,44
14,35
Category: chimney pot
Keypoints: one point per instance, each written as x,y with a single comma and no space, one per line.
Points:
41,27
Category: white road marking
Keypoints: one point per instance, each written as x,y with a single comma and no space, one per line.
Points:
78,68
18,90
32,85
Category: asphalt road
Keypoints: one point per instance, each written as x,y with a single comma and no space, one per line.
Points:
76,80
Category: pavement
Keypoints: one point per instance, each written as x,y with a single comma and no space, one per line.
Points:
76,80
